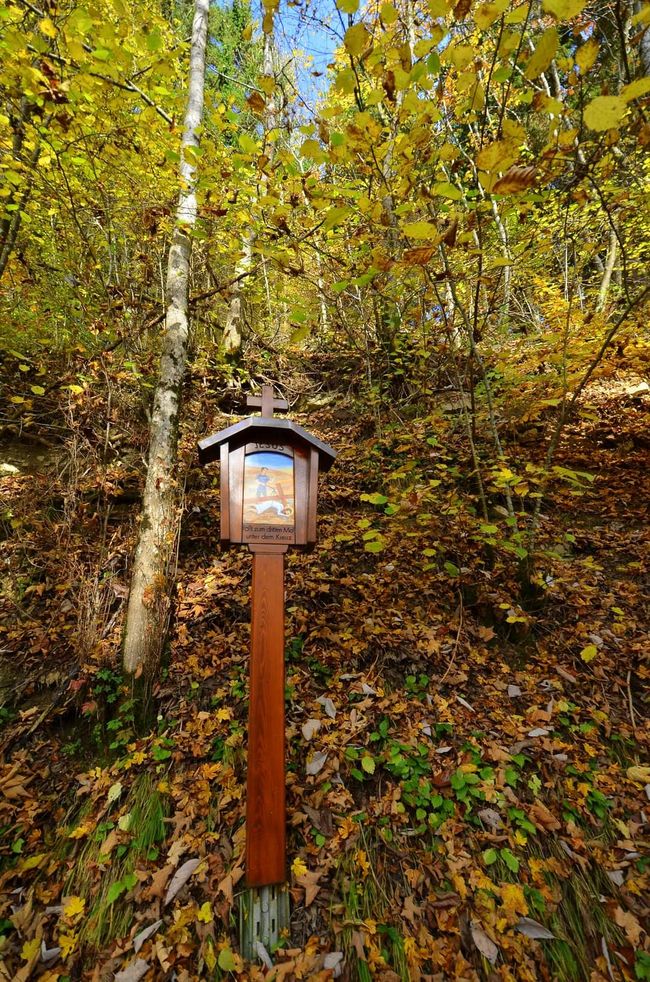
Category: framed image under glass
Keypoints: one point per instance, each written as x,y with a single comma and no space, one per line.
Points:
269,491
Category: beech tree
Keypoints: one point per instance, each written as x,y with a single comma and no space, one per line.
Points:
149,598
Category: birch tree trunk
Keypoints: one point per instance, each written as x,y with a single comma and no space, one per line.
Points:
232,332
147,618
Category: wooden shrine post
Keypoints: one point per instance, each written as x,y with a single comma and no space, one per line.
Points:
269,487
265,785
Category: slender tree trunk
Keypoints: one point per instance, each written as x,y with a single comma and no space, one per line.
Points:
149,605
232,332
607,274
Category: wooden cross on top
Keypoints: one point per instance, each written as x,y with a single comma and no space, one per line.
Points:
266,402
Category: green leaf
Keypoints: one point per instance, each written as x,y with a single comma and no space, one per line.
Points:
510,860
247,143
452,569
227,961
114,891
375,499
38,390
490,856
447,190
114,792
376,545
368,764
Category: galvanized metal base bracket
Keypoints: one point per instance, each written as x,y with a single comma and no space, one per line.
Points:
263,916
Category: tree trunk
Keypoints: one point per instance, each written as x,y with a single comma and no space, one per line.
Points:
607,274
232,332
147,618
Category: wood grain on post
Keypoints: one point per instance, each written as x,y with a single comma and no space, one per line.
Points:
265,797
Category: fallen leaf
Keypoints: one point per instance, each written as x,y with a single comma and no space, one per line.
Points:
533,929
333,961
159,881
639,774
263,955
310,728
328,706
316,763
180,878
309,880
541,815
484,943
630,925
491,817
144,935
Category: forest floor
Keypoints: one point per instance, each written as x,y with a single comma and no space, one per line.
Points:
468,781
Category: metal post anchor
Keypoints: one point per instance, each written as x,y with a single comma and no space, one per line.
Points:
263,916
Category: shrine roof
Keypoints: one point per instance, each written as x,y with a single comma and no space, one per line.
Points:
254,425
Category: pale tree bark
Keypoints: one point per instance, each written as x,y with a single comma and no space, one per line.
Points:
149,604
607,274
232,331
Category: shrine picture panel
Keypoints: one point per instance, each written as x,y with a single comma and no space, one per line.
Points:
269,505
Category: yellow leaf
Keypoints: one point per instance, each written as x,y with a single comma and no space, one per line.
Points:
639,774
311,148
636,89
47,28
543,54
205,913
487,13
388,13
589,653
81,831
461,55
346,81
209,955
356,39
30,949
605,112
513,900
32,862
298,867
74,907
496,156
68,943
348,6
266,84
563,9
586,54
420,230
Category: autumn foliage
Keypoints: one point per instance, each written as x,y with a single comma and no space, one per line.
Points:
438,240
